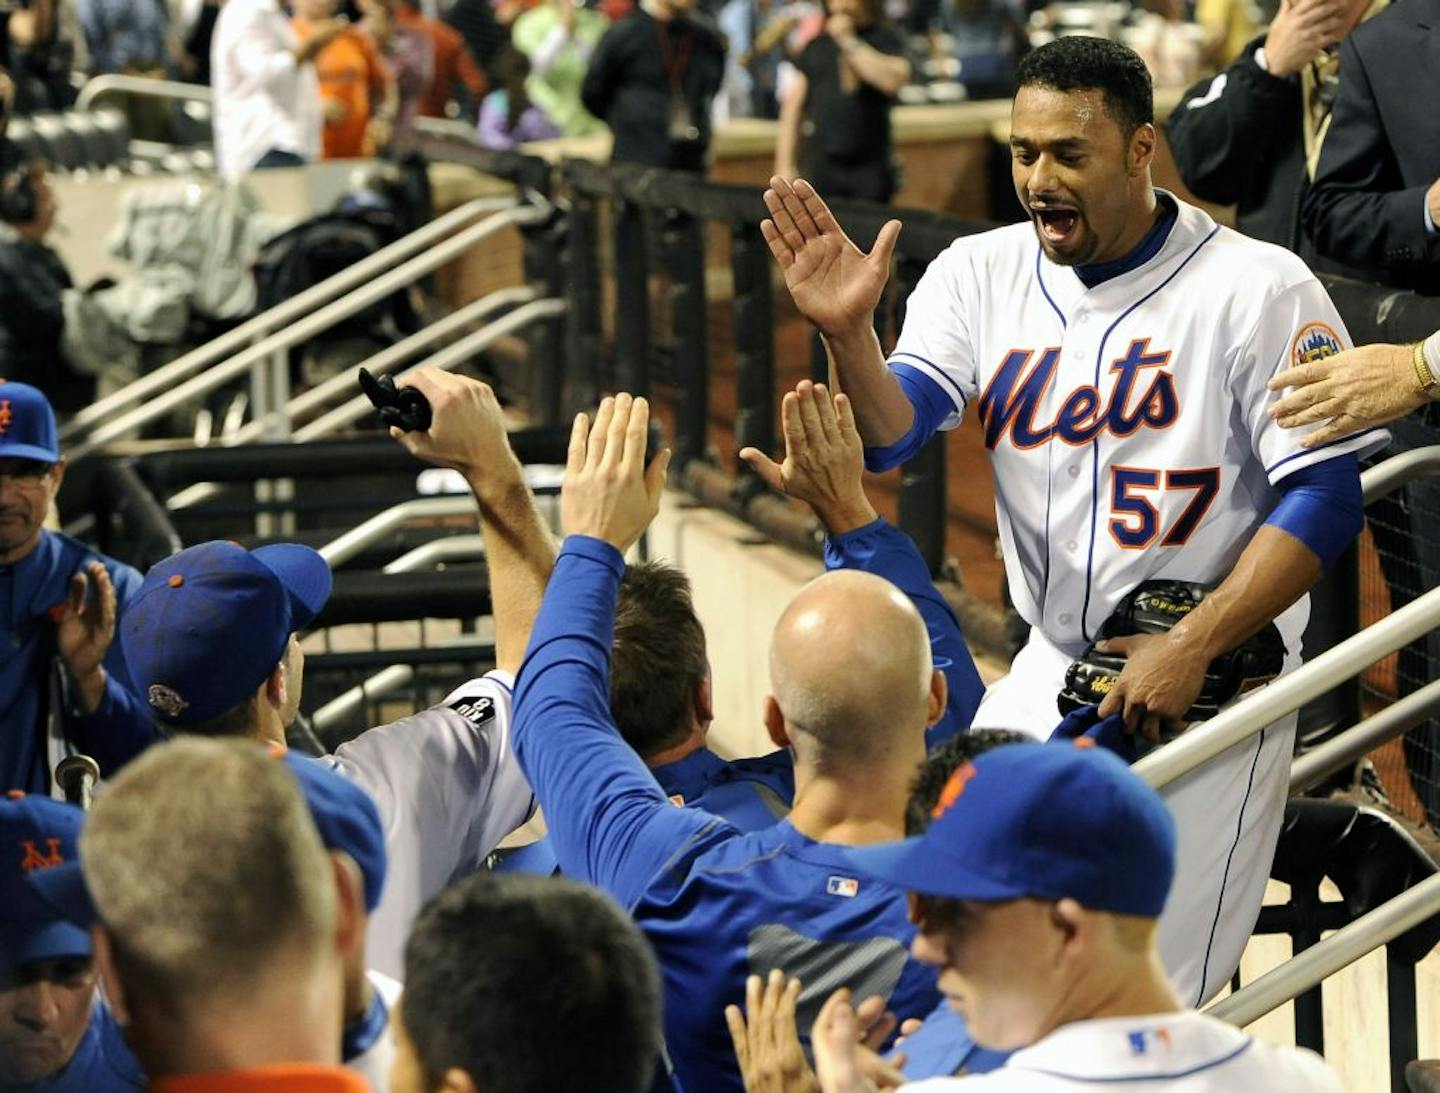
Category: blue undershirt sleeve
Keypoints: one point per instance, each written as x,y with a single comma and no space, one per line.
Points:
932,406
610,823
885,550
1322,505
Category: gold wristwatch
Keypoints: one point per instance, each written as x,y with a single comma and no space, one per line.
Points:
1429,385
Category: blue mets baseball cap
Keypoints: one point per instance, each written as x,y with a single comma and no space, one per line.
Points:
344,815
37,836
211,622
346,818
27,424
1049,821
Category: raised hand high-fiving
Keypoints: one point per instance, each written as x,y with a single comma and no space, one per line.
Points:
834,283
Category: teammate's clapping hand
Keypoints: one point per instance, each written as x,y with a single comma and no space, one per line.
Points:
84,632
834,283
767,1043
467,428
824,458
609,493
845,1058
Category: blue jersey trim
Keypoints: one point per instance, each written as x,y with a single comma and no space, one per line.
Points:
1225,877
940,374
1169,1076
1320,448
1040,280
1095,444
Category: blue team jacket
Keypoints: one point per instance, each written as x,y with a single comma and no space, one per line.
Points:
103,1063
120,728
716,902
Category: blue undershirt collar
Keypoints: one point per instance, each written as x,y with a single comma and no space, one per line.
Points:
1148,247
360,1036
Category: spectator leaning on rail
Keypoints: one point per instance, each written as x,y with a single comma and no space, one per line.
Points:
57,1034
1042,922
267,96
64,683
495,964
222,926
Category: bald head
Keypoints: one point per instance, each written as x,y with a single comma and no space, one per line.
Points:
850,668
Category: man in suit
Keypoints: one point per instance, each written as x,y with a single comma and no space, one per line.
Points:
1375,203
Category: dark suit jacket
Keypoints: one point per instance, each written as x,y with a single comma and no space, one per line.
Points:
1366,207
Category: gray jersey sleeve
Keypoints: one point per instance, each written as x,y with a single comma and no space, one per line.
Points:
448,789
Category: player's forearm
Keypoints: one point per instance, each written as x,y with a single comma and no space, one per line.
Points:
519,556
883,414
1273,571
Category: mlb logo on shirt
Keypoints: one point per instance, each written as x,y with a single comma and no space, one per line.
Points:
848,887
1140,1040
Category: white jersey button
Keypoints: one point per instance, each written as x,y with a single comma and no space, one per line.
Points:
1074,472
1065,620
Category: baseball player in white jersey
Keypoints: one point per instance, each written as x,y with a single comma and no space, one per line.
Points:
1117,349
1041,921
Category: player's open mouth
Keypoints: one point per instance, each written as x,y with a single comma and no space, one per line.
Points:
1056,226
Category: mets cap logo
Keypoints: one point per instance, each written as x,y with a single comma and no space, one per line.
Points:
166,700
954,789
1314,342
35,858
6,416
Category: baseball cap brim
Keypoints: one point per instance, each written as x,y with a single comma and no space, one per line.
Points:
63,889
29,451
919,865
305,575
53,941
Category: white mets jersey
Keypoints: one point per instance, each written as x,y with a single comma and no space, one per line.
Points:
1175,1052
448,788
1126,422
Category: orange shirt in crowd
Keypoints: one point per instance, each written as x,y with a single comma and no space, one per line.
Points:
353,79
453,62
293,1078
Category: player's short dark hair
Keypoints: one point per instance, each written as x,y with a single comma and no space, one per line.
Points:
1082,63
658,658
236,721
943,762
531,983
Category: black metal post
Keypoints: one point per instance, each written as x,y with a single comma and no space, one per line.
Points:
632,299
544,244
585,366
685,255
754,318
1305,931
1404,1019
923,504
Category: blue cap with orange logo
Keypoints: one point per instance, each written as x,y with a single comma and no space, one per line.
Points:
27,424
1048,821
211,622
37,835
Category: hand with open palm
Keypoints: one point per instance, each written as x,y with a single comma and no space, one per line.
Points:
834,283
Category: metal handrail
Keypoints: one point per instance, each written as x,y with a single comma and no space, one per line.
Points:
452,356
449,549
344,547
1340,751
100,86
377,686
289,311
1290,692
1387,477
1342,948
398,278
382,363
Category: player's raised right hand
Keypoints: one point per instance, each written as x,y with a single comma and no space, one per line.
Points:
609,493
467,429
834,283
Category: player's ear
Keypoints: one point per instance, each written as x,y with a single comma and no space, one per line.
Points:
1069,919
350,899
275,686
775,723
705,700
456,1080
935,701
1142,148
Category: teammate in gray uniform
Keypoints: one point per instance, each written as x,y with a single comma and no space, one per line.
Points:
445,779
